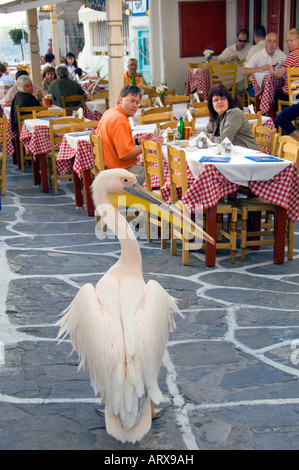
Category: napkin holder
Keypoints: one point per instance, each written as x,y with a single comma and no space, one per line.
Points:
158,103
195,142
225,148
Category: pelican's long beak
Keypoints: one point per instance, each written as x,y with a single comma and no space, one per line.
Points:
142,198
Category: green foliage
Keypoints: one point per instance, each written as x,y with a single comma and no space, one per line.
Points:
16,35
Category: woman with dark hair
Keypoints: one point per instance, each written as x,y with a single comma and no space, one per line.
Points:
48,75
71,63
227,120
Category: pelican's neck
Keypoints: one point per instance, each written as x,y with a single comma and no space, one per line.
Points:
130,252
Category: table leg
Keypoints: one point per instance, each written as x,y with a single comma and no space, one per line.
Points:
77,190
87,192
254,225
211,229
44,172
35,170
280,235
271,113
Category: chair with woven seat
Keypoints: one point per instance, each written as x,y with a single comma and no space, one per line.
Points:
3,129
25,112
174,124
154,115
178,178
58,128
73,103
153,166
225,74
266,139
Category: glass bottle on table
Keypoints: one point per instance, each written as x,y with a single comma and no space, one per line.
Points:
133,80
181,129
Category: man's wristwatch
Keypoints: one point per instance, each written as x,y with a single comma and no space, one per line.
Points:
136,141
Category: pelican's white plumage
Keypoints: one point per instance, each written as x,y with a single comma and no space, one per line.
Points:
120,327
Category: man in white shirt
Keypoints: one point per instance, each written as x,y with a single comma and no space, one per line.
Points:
259,36
262,61
9,96
237,51
5,80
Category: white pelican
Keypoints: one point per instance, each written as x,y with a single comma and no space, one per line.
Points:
120,328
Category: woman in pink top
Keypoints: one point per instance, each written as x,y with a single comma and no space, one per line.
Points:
292,60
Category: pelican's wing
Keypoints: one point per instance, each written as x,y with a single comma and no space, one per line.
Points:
96,337
153,322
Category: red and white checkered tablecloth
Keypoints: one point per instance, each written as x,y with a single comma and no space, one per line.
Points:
93,116
210,186
10,135
198,81
38,142
83,158
90,88
266,92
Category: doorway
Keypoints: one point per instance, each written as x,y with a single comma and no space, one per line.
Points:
143,53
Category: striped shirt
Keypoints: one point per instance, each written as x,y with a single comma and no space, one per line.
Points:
292,60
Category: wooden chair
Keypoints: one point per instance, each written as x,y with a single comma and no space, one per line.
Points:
282,140
254,117
153,115
96,145
56,135
178,178
101,95
49,113
174,124
172,99
25,112
293,87
147,95
225,74
200,109
153,166
289,151
3,133
81,100
266,139
82,126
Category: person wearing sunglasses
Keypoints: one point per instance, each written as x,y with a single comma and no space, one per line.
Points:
120,149
238,51
227,120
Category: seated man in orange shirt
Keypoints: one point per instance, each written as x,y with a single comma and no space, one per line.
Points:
132,72
119,148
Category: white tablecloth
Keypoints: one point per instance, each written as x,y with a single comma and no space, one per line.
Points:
98,105
74,137
239,170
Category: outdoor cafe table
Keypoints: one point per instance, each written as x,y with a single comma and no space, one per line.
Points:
276,182
265,91
94,110
75,154
35,136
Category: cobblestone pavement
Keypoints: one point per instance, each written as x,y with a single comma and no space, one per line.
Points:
230,371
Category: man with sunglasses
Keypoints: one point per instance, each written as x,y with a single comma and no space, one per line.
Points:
238,51
119,148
